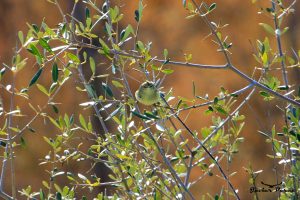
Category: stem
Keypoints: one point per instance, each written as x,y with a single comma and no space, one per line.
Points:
9,149
81,76
4,165
124,181
238,92
213,31
203,66
279,46
256,83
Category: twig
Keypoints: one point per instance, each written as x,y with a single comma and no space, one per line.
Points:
227,66
238,92
279,46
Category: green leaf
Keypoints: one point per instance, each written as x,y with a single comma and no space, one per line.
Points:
137,15
73,57
87,13
35,77
92,65
32,49
23,142
209,110
3,144
151,115
217,197
88,22
140,46
107,89
90,90
52,87
216,100
58,196
284,30
126,32
234,95
31,129
45,45
105,48
42,195
43,89
55,109
21,37
82,122
166,54
82,177
221,110
54,72
141,7
267,28
117,84
108,29
35,28
167,71
54,122
2,72
265,59
113,113
140,115
266,95
212,7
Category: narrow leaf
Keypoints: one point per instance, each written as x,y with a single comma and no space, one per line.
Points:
268,28
42,89
21,37
107,89
45,45
54,72
35,77
104,46
112,114
73,57
140,115
167,71
92,65
82,122
32,49
117,84
212,7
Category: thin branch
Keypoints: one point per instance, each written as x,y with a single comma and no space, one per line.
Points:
61,11
227,66
238,92
213,31
123,53
279,46
265,88
226,120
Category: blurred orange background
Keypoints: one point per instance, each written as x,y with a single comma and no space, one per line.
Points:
164,24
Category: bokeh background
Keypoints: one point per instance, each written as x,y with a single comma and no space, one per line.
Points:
164,24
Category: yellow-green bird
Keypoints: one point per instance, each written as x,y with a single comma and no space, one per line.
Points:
147,94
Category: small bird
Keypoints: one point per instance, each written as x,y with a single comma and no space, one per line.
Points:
147,94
